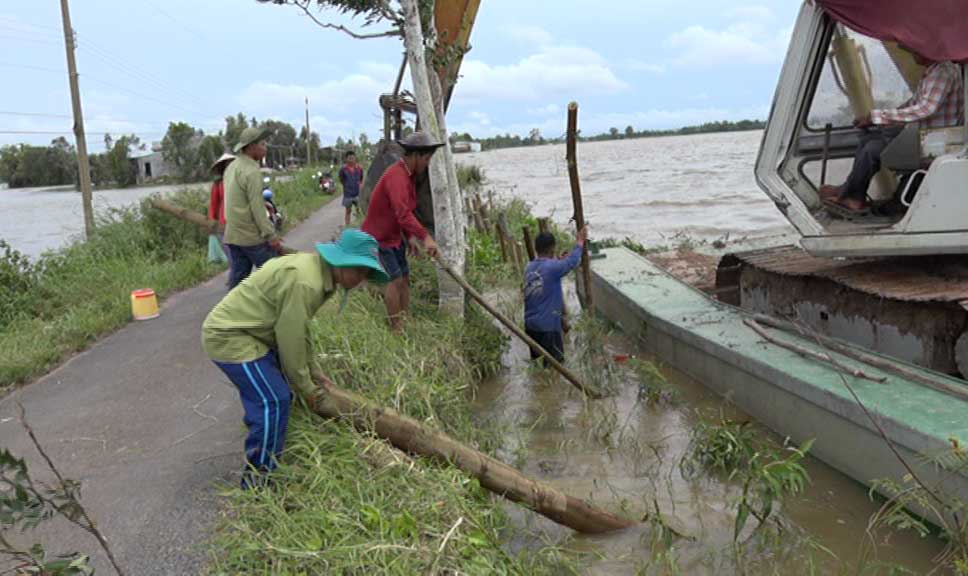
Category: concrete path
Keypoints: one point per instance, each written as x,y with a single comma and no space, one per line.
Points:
148,425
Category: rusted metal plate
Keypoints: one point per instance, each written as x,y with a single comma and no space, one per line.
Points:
913,279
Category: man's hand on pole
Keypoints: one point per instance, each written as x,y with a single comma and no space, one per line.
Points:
430,246
583,235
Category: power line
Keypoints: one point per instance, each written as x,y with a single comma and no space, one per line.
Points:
30,67
40,114
131,70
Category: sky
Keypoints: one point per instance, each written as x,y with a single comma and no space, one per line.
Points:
650,64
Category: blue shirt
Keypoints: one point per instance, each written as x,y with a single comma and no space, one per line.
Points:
544,301
351,179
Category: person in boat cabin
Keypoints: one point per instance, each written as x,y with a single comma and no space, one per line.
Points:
258,335
351,177
391,219
544,299
938,102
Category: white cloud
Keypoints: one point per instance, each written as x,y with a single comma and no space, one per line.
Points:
530,35
640,66
545,110
751,37
699,46
552,72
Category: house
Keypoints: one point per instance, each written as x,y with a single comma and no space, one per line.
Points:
150,164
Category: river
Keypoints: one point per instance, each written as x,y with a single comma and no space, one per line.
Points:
34,220
630,454
653,190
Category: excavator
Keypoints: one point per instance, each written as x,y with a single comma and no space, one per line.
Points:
893,279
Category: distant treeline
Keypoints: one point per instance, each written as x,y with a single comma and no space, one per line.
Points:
535,138
188,150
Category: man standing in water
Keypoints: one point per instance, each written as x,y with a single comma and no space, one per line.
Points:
249,234
351,177
544,300
391,220
258,335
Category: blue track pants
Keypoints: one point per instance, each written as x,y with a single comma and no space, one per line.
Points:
266,398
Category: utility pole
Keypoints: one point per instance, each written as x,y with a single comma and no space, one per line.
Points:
83,166
308,157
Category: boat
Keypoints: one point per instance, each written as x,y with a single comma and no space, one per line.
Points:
854,336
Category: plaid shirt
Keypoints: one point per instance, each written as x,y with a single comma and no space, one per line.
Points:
939,101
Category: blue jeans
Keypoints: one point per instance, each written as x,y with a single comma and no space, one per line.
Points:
266,399
243,258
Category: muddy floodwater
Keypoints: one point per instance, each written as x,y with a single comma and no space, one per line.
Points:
653,190
622,453
33,220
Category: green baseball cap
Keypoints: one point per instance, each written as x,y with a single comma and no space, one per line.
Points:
250,135
355,249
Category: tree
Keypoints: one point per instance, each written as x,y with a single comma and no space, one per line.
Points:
613,132
629,131
424,57
117,160
535,136
179,148
209,150
234,125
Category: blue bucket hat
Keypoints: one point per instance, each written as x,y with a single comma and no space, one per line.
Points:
355,248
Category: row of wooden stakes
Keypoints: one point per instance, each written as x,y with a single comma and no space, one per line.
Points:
486,220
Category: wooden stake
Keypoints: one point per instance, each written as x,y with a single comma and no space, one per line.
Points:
529,243
412,436
591,392
543,225
571,154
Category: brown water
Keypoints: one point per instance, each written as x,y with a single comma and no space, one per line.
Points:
649,189
33,220
623,454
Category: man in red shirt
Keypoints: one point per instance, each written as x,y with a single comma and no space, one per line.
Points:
216,204
391,220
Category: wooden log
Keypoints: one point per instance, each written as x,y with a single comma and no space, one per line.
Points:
197,218
517,331
411,436
543,225
529,242
571,155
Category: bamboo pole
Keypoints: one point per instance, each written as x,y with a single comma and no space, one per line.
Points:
517,331
529,242
196,218
199,219
571,154
411,436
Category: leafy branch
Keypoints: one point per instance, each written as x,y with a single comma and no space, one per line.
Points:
372,11
25,504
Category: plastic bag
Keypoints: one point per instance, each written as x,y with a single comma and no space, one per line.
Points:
215,252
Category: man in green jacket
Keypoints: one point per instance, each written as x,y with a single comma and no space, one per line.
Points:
259,335
249,233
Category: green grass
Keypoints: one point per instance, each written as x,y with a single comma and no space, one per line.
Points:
67,299
343,503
